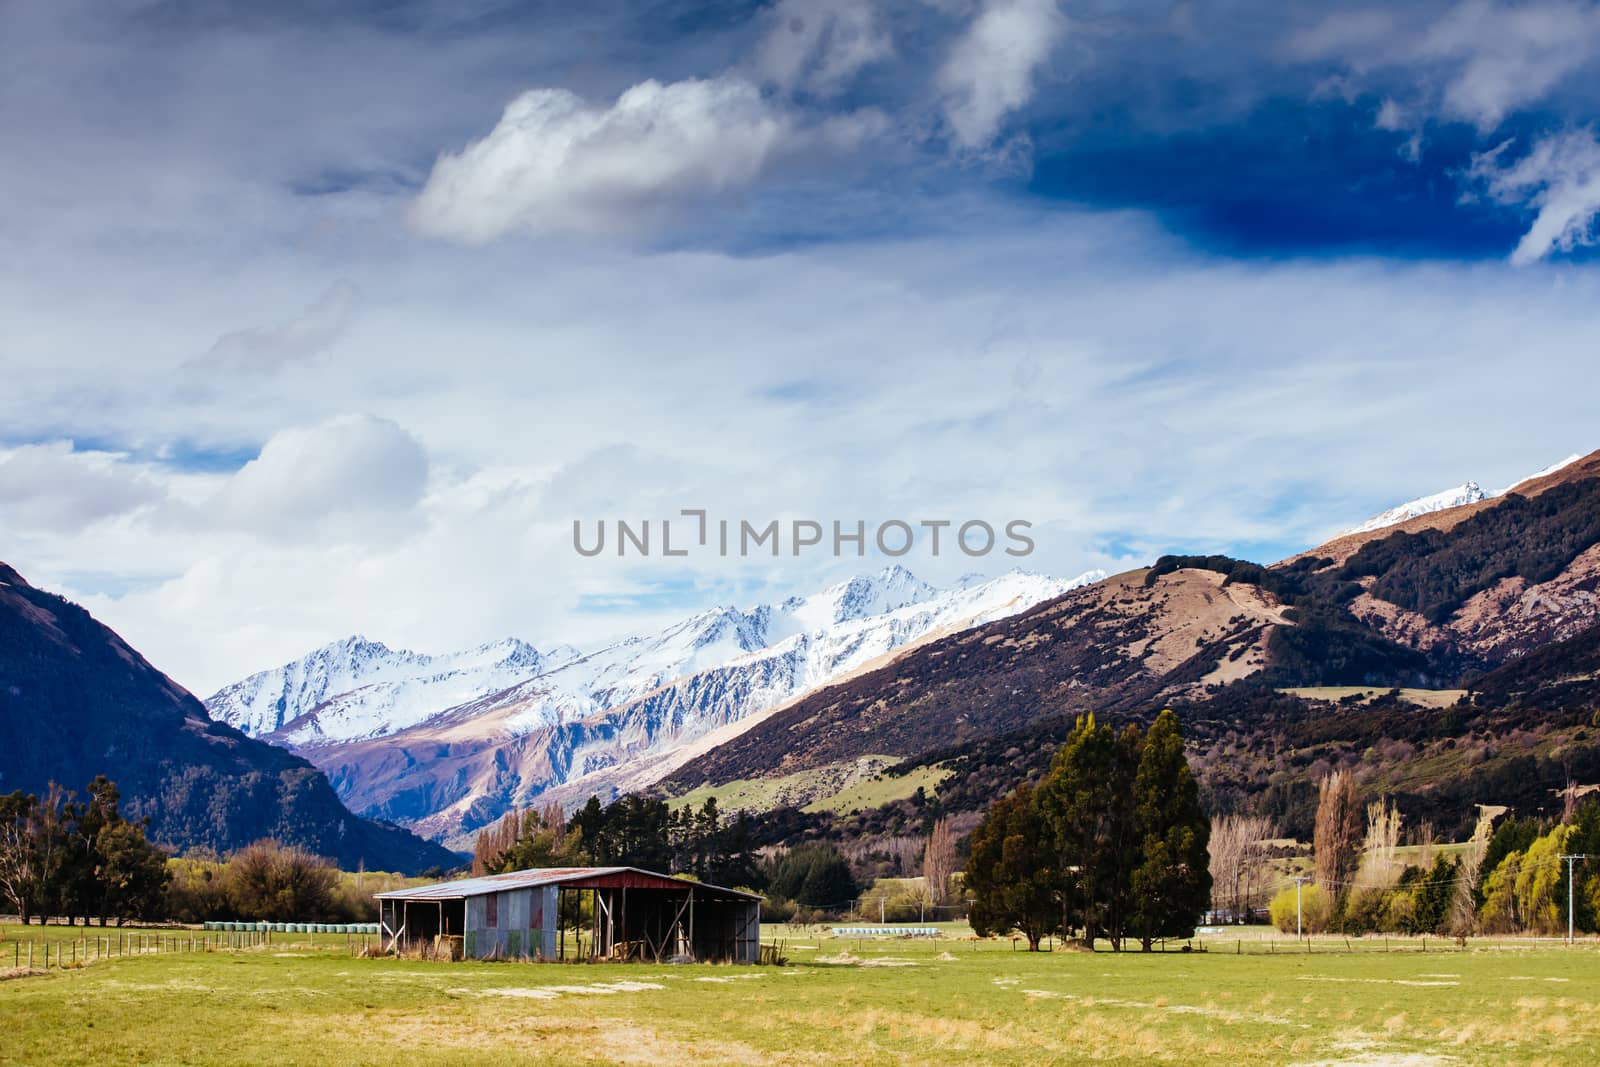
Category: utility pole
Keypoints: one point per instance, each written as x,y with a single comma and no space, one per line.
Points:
1571,859
1299,883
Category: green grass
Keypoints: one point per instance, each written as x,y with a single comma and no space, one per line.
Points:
1427,698
883,789
906,1002
837,787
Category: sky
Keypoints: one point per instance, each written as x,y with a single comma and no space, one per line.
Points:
320,319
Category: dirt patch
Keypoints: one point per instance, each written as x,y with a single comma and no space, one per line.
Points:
1384,1059
1377,981
554,992
526,994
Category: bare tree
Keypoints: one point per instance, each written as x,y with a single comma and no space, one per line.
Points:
499,837
555,821
1378,867
1426,838
1339,830
1238,853
1569,802
19,872
1464,903
939,861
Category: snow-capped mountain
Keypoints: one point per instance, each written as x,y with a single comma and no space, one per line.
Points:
612,714
1465,493
358,688
1569,461
758,658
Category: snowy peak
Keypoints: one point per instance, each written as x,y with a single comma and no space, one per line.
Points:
638,699
1465,493
862,597
888,590
356,683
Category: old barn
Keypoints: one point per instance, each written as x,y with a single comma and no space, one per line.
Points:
624,914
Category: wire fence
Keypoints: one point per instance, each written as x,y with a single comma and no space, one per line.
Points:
65,953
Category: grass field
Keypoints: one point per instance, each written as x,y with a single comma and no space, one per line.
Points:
1427,698
895,1002
837,787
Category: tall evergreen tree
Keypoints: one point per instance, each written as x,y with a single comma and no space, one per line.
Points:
1012,874
1172,882
1086,801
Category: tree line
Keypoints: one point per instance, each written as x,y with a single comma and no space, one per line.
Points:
268,880
80,859
632,831
1112,843
1508,878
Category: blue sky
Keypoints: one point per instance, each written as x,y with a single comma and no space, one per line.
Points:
319,319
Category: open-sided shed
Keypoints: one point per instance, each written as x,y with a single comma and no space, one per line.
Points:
629,914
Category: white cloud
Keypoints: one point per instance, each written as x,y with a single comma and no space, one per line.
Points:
53,487
1560,177
557,164
1391,116
261,349
819,45
990,70
1509,55
1084,371
350,476
1478,62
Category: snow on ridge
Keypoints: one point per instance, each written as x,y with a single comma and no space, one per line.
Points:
366,687
1466,493
356,689
1569,461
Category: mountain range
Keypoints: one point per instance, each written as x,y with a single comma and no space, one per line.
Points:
1446,657
446,744
76,701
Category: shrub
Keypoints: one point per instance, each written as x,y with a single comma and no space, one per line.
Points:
270,881
777,909
1316,908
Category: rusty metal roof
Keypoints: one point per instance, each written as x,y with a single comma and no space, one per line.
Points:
575,877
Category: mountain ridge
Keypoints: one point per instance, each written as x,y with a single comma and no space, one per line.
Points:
76,701
640,698
1218,636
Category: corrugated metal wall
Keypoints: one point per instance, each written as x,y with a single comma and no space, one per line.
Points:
524,925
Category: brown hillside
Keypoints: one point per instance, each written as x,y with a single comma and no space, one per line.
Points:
1118,642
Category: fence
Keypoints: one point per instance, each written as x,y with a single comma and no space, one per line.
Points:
44,953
